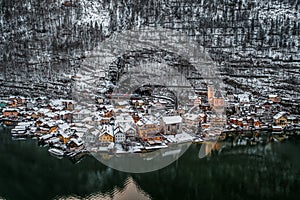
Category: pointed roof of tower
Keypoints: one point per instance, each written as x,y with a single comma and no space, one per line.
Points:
218,94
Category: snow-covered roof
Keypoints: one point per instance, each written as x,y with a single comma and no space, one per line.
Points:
121,110
202,114
122,103
191,116
79,133
78,141
127,127
273,95
148,121
292,117
119,133
43,110
94,132
140,123
10,110
84,111
106,132
276,127
109,107
172,119
64,126
118,129
104,118
65,134
124,118
19,127
88,126
280,114
25,123
48,123
87,119
59,121
50,114
243,98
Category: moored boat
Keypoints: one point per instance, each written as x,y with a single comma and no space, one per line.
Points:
56,152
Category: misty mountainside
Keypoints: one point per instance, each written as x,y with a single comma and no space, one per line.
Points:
254,43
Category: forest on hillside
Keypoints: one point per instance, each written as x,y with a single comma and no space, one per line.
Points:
42,41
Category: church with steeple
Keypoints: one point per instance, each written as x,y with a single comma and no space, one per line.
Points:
217,104
215,99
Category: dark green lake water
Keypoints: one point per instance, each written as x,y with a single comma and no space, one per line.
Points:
260,172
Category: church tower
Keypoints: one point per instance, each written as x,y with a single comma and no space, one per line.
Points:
218,102
210,94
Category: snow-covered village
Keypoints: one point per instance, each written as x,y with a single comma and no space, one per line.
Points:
144,121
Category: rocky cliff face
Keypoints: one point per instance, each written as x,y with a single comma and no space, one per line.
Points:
255,43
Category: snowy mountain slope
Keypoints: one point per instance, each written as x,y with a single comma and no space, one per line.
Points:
45,39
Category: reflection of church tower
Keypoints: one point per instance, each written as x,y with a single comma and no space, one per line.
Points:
210,94
218,102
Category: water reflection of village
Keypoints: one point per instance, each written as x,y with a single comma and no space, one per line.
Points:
143,162
148,123
256,144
